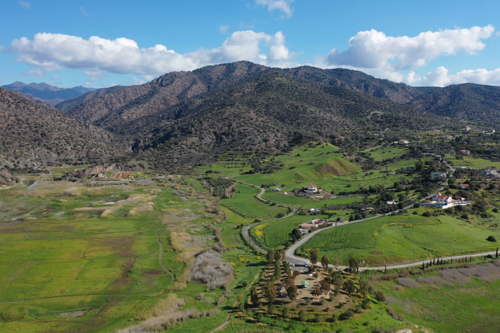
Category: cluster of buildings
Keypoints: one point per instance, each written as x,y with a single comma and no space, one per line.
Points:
309,225
443,201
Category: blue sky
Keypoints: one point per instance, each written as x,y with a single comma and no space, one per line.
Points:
103,43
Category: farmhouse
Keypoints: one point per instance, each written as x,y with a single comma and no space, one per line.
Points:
464,186
403,142
314,211
311,189
490,172
441,198
308,226
465,152
392,203
442,201
439,174
277,189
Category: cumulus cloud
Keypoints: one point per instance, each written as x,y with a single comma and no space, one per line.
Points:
441,77
373,49
223,29
282,5
51,52
387,57
25,4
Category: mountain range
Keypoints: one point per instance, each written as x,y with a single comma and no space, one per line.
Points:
189,118
46,92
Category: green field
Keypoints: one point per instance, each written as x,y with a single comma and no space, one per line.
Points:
455,307
381,153
306,203
69,255
247,205
474,163
399,239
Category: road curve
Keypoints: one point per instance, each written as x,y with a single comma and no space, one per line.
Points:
246,229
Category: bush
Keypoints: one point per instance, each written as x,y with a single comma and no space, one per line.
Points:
495,210
346,315
491,239
427,214
302,315
359,309
286,313
379,296
317,318
259,317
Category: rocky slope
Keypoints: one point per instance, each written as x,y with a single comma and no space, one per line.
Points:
33,136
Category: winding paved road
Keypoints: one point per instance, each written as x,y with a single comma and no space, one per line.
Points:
290,253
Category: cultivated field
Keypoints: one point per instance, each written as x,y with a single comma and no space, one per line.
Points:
400,239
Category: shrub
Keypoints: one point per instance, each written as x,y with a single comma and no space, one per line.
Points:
302,315
379,296
286,313
317,318
346,315
259,317
491,239
359,309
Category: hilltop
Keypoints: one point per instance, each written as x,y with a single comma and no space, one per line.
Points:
48,93
34,136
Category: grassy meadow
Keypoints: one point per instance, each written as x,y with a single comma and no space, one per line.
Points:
448,301
400,239
76,263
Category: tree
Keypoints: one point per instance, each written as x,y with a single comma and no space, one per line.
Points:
353,265
302,315
292,292
259,317
316,292
324,262
270,291
363,287
286,313
270,256
254,296
270,309
311,269
324,285
277,255
349,286
241,307
314,256
277,270
286,267
379,296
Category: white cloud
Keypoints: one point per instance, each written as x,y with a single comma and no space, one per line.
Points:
51,52
25,4
93,76
223,29
55,77
84,11
282,5
441,77
385,56
136,81
37,73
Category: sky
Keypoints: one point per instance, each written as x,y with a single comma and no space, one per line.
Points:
104,43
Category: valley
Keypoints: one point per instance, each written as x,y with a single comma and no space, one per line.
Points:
242,198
